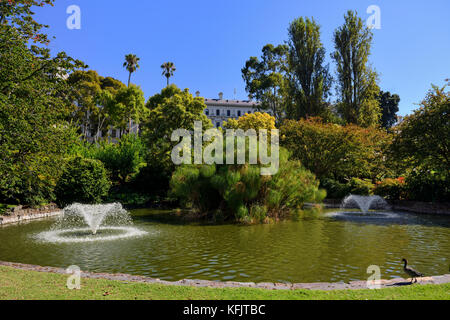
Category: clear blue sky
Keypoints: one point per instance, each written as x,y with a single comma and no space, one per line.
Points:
210,40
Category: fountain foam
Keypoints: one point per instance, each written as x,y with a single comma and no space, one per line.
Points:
88,223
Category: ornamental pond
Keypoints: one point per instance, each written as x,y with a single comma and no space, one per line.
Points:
329,246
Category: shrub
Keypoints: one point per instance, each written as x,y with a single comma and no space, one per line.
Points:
83,180
335,189
123,160
391,189
241,191
258,213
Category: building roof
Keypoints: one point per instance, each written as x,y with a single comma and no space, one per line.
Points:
231,103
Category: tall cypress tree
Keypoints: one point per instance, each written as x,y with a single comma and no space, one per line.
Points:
357,81
311,80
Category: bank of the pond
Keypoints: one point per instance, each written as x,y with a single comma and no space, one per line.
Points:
353,285
21,214
22,284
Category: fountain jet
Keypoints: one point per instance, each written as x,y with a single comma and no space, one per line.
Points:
95,215
364,203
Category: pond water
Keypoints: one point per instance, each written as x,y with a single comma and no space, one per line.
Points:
325,247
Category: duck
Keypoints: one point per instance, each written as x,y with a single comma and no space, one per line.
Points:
414,274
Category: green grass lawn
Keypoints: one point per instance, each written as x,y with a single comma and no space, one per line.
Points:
30,285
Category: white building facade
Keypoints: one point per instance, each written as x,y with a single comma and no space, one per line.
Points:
221,110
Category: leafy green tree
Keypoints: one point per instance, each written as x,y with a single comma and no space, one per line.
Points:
170,110
34,106
131,64
129,107
123,159
111,84
83,180
421,147
266,79
311,79
87,88
357,82
389,106
422,138
94,99
19,15
106,112
168,69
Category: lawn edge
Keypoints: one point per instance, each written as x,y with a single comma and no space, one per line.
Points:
321,286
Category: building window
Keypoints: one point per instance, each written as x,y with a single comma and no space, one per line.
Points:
239,113
228,113
207,112
217,124
113,133
217,112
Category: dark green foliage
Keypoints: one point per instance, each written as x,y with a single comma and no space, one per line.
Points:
356,80
335,189
123,160
339,190
33,106
33,134
128,197
310,78
389,108
421,147
84,181
427,185
266,79
5,209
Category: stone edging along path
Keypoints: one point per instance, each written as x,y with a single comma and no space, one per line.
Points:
20,214
353,285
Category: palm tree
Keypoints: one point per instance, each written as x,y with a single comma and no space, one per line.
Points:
131,64
168,70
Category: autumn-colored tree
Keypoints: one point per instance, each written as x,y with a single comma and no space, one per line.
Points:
335,151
